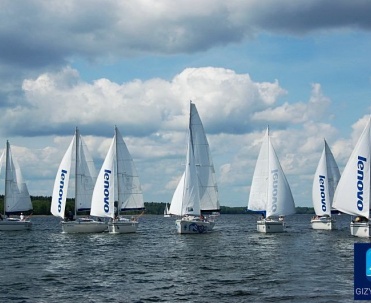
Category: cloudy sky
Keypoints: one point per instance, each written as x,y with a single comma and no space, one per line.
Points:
304,69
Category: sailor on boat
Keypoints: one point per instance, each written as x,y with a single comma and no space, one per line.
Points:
360,219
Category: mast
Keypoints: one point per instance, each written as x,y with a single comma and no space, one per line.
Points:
117,176
7,167
187,157
192,154
77,175
268,182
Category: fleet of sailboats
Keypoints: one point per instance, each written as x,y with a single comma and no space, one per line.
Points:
16,197
84,177
326,179
118,188
353,193
195,201
270,192
196,194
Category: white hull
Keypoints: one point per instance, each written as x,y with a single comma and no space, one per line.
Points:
194,226
13,225
122,226
83,226
360,229
323,223
271,226
167,216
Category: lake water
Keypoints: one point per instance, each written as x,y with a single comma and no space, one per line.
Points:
232,264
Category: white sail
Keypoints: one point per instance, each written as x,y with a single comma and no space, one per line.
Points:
117,181
280,199
197,189
325,181
62,178
352,195
204,165
176,201
17,197
130,195
85,175
258,191
2,157
270,190
104,190
166,211
191,196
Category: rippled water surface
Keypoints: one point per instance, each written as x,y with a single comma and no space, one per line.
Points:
232,264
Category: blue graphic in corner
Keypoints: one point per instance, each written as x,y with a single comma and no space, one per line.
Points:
368,264
362,271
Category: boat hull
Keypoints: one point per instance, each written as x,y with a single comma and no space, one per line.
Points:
194,226
122,227
271,226
360,229
323,223
14,225
83,227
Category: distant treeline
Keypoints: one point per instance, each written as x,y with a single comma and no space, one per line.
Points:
41,206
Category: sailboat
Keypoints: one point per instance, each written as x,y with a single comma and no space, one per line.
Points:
118,188
352,195
166,211
84,176
326,179
270,192
197,192
16,197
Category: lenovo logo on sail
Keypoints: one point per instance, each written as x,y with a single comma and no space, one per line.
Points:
360,175
106,178
322,192
61,187
274,190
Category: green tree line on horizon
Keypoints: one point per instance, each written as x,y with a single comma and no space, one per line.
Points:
41,206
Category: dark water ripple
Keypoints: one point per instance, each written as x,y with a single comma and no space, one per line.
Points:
232,264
